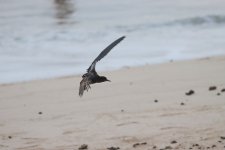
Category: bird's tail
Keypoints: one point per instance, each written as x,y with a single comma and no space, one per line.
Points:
84,85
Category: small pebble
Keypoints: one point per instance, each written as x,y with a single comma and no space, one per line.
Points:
223,90
168,147
9,137
218,94
195,145
40,113
156,101
182,103
213,146
212,88
154,147
84,146
137,144
190,92
222,137
113,148
173,142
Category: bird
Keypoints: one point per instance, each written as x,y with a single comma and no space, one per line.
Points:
92,77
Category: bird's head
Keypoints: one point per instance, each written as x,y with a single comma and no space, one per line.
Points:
103,79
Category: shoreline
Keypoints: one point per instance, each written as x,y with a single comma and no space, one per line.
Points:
148,107
113,70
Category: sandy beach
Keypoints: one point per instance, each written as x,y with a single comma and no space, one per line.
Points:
175,105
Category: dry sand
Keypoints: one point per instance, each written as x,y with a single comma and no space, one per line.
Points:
49,114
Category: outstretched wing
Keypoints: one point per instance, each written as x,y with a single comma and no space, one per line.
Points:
104,53
84,85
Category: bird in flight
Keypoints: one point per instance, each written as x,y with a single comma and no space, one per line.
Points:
92,76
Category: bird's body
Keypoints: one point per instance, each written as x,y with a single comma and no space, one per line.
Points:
91,76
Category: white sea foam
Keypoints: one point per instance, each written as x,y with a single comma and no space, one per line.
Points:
44,39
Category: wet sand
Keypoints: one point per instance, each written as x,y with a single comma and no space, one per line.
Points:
176,105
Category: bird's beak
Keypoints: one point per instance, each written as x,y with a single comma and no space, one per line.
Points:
108,80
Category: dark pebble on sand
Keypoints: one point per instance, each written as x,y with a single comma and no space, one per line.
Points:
190,92
213,146
154,147
195,145
222,137
168,147
156,101
9,137
173,142
212,88
113,148
223,90
218,94
137,144
208,147
219,141
84,146
40,113
182,103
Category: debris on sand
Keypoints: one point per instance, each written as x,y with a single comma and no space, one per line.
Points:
154,147
138,144
213,146
168,147
212,88
173,142
190,92
156,101
113,148
195,145
182,104
84,146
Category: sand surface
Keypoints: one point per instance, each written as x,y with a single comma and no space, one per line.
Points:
141,108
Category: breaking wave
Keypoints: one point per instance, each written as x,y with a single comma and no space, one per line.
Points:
196,21
209,20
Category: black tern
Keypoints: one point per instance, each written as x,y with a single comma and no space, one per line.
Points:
92,76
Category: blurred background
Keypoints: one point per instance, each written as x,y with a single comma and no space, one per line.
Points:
51,38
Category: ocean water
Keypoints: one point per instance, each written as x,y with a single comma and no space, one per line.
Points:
52,38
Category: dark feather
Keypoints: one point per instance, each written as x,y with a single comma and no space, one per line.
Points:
104,53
